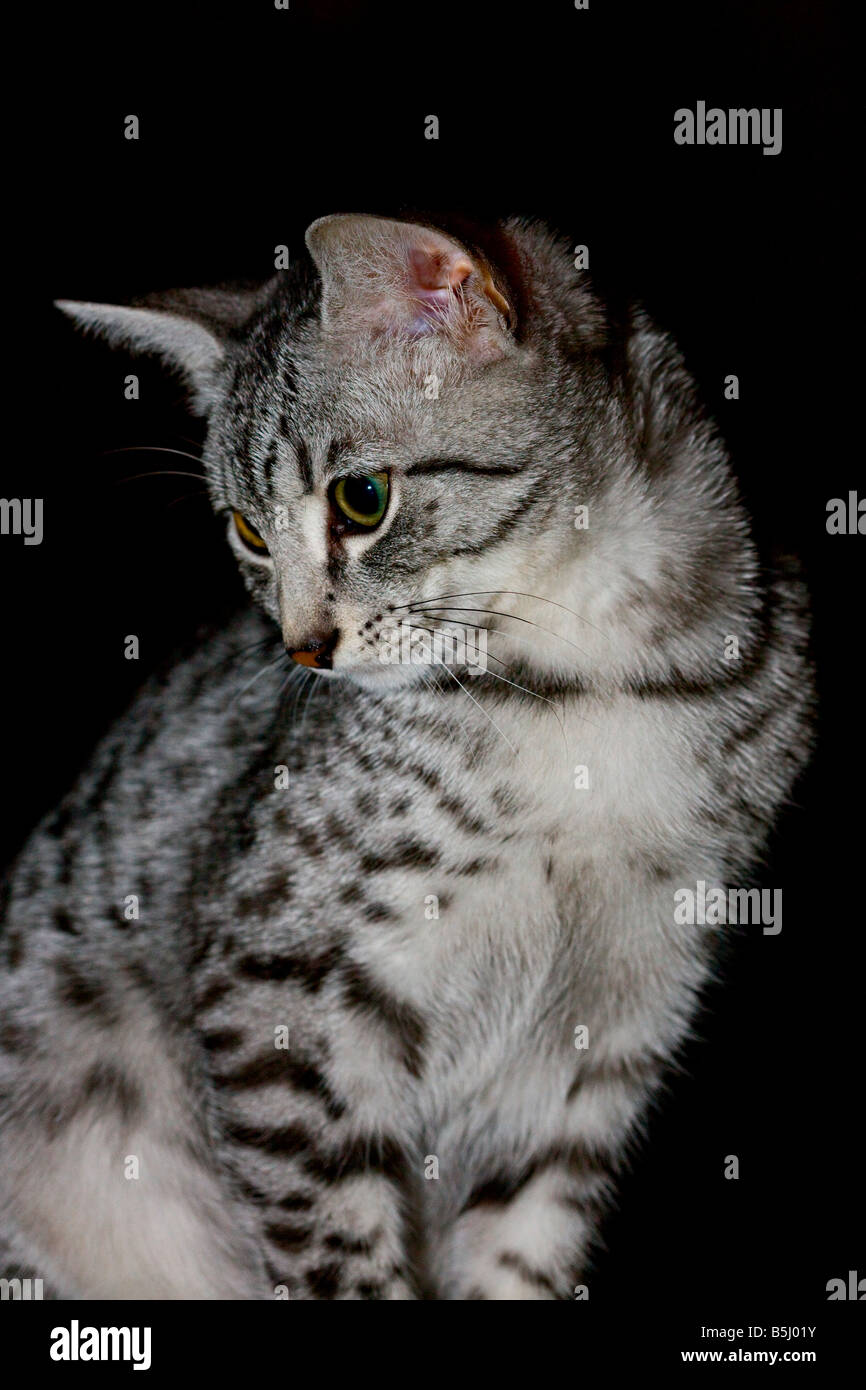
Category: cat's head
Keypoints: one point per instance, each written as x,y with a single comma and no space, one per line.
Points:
400,432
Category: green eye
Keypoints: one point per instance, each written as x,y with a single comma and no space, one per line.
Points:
363,500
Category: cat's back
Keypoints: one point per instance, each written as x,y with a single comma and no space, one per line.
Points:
112,855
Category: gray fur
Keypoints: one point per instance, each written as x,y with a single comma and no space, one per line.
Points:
310,1168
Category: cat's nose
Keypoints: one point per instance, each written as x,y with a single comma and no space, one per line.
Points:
318,652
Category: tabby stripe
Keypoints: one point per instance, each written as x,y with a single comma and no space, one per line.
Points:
503,528
279,1068
578,1159
82,991
624,1071
500,1189
405,854
373,1155
286,1142
462,815
64,923
105,1086
222,1040
216,990
379,912
510,1260
269,463
309,971
368,1291
487,470
287,1237
677,685
295,1201
406,1026
15,1038
305,466
348,1245
325,1280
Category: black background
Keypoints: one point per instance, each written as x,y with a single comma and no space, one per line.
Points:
254,122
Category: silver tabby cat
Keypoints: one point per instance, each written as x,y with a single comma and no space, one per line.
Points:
367,1001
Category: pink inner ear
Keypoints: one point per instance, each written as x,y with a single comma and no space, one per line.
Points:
434,274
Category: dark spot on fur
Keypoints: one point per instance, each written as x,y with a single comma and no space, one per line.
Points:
64,923
222,1040
82,991
324,1281
348,1245
287,1237
295,1201
286,1142
216,990
403,1022
510,1260
379,912
107,1086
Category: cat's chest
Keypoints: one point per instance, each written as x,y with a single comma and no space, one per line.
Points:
452,859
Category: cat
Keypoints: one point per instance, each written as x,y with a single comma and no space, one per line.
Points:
368,1002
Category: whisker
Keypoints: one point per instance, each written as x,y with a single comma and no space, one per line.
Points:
513,593
306,677
153,449
268,667
240,655
200,496
311,695
496,613
500,632
293,677
160,473
496,676
474,752
471,745
484,712
419,627
526,641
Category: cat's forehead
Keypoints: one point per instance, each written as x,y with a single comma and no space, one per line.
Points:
300,395
296,413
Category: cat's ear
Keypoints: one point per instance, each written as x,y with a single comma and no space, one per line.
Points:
188,329
386,277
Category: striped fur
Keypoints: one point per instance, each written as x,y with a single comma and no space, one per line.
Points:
333,1056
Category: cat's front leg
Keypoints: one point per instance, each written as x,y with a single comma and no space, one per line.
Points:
530,1243
526,1229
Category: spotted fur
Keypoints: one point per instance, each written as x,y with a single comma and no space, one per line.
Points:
430,907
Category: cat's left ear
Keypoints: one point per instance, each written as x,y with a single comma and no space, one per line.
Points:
188,329
382,277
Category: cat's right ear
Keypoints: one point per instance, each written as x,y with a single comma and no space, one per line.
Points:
187,329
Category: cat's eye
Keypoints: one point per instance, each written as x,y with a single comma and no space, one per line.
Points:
361,499
251,538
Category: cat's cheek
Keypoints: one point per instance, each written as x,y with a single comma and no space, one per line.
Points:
260,585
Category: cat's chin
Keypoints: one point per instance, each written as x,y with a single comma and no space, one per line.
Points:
372,675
